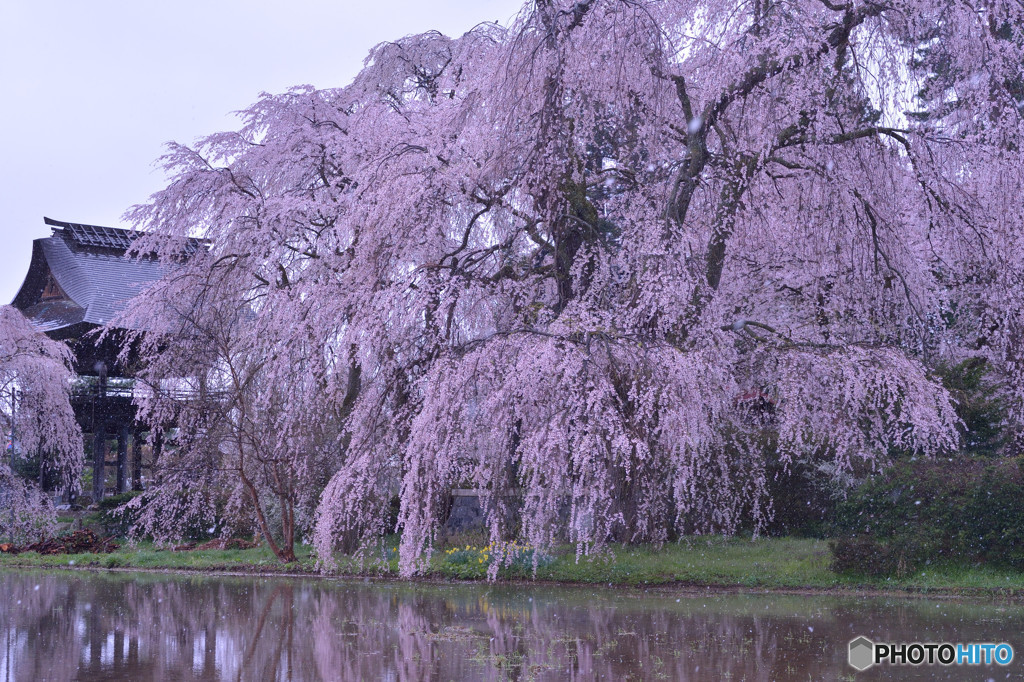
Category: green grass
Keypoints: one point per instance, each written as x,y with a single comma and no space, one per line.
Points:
770,563
763,563
147,556
779,562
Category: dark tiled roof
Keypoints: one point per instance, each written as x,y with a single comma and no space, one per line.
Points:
49,316
94,235
99,282
89,264
112,239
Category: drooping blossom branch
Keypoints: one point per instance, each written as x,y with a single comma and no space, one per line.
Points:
550,261
37,418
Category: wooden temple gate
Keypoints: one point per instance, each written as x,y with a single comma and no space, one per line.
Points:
78,280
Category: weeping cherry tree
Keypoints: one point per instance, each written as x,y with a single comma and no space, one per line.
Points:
585,263
35,377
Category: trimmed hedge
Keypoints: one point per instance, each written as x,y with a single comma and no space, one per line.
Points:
113,522
966,509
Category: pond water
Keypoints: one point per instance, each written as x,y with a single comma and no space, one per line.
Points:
78,625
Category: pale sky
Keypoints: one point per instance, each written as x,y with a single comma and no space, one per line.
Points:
91,91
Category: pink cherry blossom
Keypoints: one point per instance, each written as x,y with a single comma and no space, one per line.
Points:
35,379
548,261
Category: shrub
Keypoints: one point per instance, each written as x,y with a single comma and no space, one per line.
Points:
112,518
965,509
868,556
979,405
804,498
992,525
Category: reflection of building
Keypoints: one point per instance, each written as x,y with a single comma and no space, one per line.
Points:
78,280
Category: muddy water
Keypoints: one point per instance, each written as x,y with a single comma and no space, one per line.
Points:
124,626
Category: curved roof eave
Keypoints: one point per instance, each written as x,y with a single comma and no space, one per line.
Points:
71,278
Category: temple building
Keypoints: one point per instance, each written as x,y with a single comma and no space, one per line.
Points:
79,279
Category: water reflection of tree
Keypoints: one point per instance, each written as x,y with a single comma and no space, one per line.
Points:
152,627
38,627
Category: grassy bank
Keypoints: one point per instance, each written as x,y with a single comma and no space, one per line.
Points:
765,563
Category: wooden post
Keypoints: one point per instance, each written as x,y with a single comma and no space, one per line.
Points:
136,461
99,443
158,449
99,460
122,459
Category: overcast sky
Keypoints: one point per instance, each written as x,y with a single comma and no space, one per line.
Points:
90,91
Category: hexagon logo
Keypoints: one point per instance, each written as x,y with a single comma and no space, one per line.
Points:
862,653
